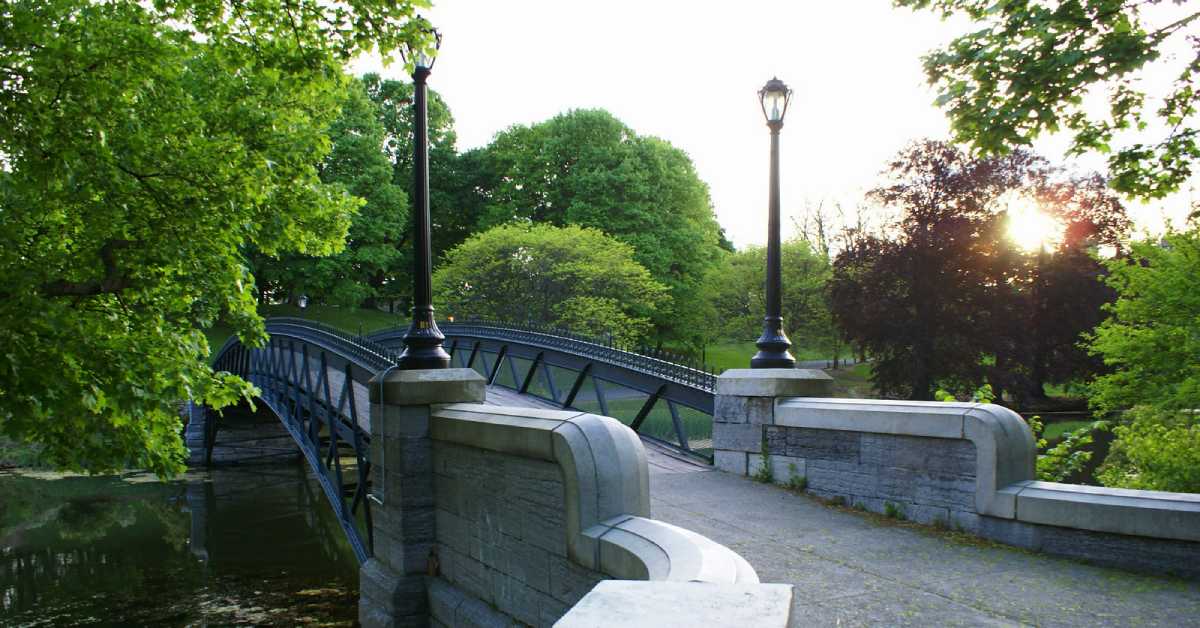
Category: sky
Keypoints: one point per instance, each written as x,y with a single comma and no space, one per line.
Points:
689,72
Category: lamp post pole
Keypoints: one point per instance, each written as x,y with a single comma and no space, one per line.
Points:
423,340
773,344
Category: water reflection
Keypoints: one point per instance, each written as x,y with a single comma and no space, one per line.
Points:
255,545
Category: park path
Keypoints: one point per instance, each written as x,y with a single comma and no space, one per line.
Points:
851,568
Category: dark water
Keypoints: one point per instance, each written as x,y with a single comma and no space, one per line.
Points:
249,546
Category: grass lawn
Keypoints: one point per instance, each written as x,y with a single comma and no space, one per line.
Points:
736,355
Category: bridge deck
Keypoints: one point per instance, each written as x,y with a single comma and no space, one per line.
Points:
851,568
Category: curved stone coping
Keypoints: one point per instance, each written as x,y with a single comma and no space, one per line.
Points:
1005,452
607,490
636,548
1156,514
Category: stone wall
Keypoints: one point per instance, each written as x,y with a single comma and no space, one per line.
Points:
501,537
494,516
922,479
965,466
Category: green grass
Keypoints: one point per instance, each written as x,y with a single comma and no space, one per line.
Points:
736,355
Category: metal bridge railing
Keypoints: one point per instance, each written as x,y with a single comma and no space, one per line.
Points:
656,362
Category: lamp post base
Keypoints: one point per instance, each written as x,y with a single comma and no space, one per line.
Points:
423,349
773,349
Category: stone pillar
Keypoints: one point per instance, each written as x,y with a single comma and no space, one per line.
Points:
392,583
745,405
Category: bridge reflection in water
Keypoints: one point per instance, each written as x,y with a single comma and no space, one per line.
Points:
253,544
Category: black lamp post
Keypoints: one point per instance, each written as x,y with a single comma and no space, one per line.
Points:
773,344
423,341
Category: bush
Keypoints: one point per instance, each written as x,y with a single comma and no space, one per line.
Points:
1155,450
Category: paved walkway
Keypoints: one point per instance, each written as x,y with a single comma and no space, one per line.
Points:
851,568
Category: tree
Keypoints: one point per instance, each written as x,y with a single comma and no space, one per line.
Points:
1026,70
373,266
1150,341
919,300
737,291
454,202
1066,291
143,146
586,168
569,277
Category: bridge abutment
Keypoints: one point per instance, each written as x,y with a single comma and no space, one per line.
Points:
392,583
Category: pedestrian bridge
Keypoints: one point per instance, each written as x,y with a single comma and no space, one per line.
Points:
848,566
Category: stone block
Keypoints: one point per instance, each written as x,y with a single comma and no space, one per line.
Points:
569,582
1154,514
402,557
407,525
655,604
399,421
839,479
402,458
774,383
928,515
824,445
466,573
551,611
783,468
912,418
474,613
1005,454
514,598
933,455
394,594
481,427
738,437
730,461
735,409
529,564
444,600
428,386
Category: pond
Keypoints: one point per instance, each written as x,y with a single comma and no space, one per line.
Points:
237,546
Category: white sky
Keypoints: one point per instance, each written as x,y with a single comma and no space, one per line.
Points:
689,72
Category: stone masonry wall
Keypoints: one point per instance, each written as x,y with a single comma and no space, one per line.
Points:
928,480
501,540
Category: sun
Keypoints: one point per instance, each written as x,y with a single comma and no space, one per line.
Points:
1030,228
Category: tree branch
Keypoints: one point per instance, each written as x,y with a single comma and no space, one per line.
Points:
113,281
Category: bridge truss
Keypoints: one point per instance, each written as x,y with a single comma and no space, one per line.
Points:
315,379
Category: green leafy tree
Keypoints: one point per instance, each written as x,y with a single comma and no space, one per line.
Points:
737,291
587,168
454,202
374,265
1150,341
571,277
1026,68
143,147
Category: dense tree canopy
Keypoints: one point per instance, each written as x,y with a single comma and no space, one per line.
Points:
1151,341
945,298
918,299
586,168
570,277
143,146
374,265
1026,70
736,288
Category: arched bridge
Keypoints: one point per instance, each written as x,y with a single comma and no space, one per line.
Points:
315,378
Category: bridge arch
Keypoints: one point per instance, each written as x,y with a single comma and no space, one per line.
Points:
316,378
